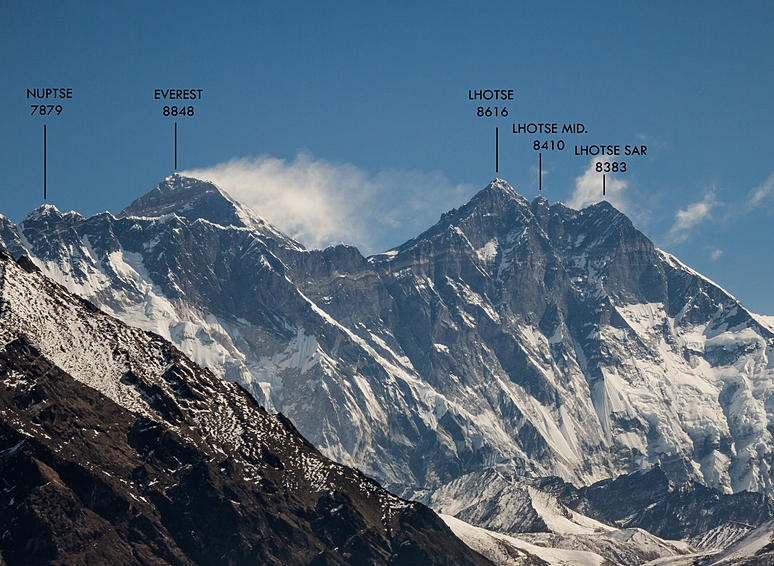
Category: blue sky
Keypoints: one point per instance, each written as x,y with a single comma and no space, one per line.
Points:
359,110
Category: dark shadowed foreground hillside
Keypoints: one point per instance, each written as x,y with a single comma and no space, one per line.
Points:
117,449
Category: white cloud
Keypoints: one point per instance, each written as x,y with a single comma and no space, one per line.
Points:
319,202
762,193
686,219
715,255
588,189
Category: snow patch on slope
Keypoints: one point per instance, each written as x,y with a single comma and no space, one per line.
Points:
488,251
508,550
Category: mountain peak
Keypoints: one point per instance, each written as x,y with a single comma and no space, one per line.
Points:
181,195
540,201
47,212
194,199
43,211
604,210
498,184
190,198
498,204
604,205
498,195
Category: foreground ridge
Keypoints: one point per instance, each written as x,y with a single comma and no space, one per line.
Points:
524,338
115,447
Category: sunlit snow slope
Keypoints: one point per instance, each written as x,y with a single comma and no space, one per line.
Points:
512,335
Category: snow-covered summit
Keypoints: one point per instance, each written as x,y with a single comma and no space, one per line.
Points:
502,186
194,199
180,194
43,211
528,337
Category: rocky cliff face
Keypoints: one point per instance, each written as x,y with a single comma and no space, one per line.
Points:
515,336
116,448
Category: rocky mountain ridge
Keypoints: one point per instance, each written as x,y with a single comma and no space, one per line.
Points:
522,337
115,447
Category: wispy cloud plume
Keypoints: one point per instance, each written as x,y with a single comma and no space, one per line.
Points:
761,194
320,202
688,218
588,189
711,209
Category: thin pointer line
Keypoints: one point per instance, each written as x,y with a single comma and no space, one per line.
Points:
497,150
45,165
540,166
603,185
175,146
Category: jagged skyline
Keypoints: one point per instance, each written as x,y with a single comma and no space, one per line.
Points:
502,366
377,97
